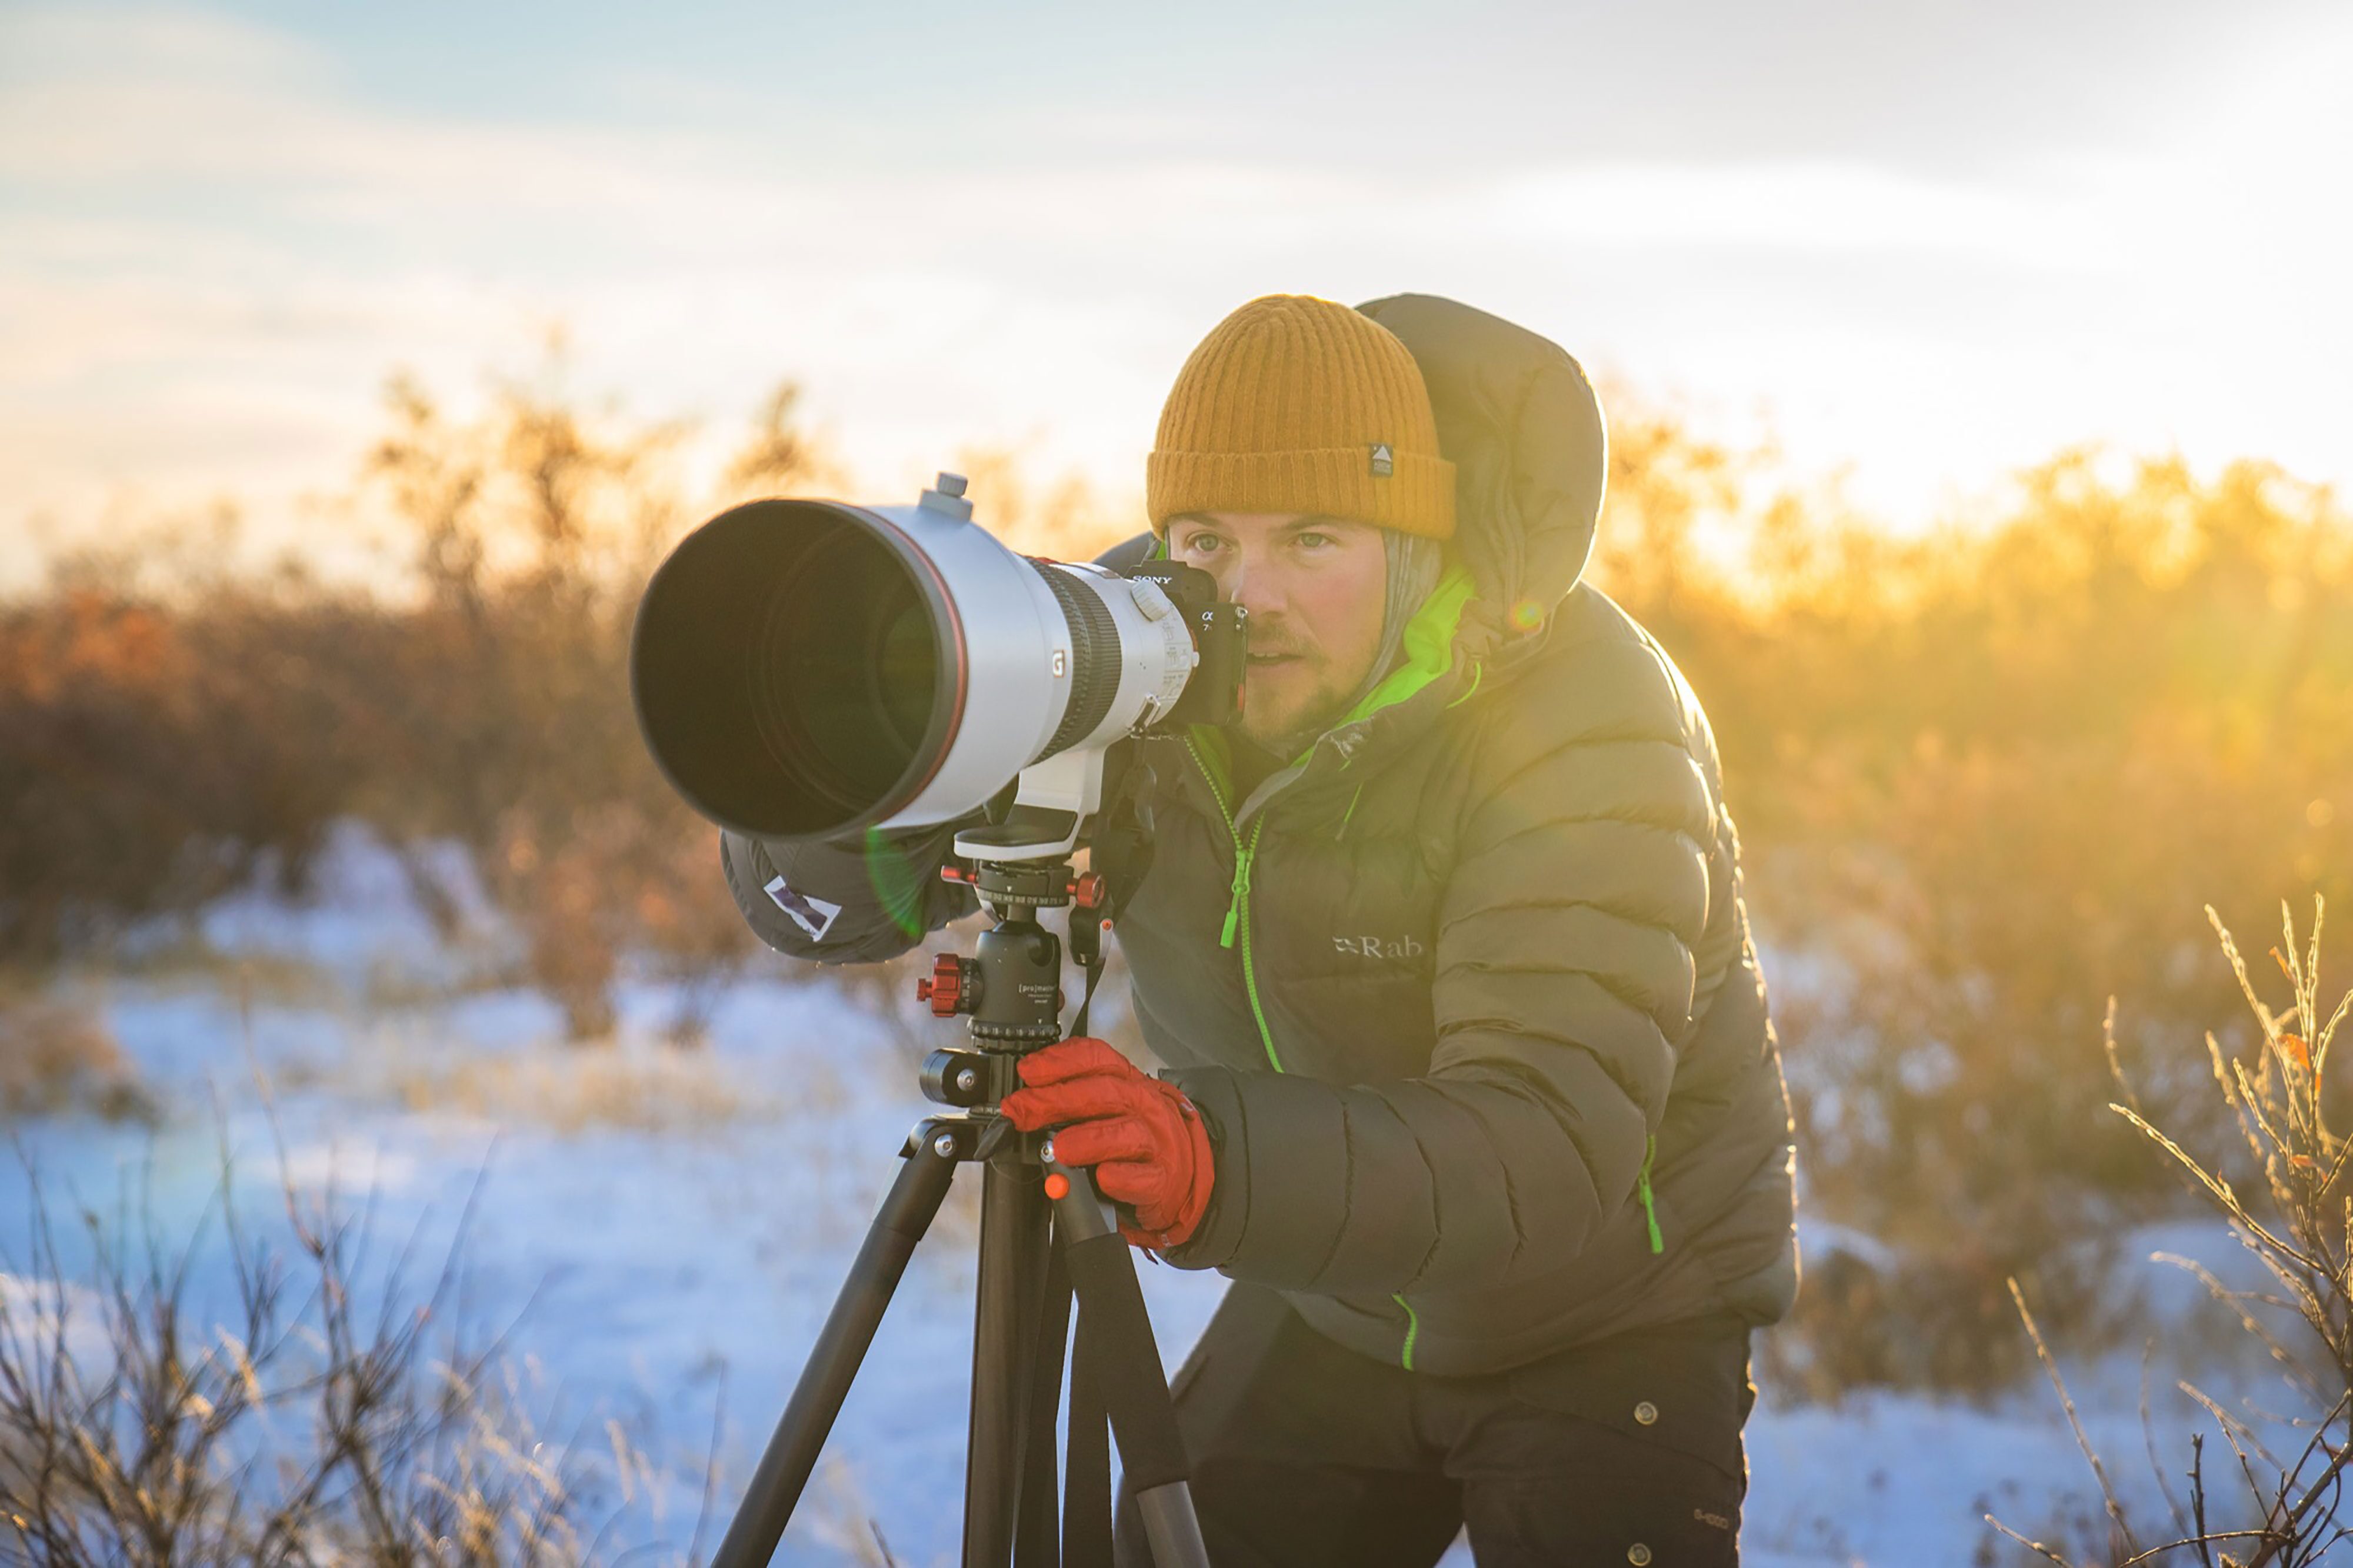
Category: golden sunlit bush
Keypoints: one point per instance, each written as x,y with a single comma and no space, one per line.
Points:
1986,779
2275,1177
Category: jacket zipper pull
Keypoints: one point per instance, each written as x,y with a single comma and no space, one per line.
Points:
1242,853
1643,1190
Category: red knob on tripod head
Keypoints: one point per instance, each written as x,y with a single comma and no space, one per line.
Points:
943,988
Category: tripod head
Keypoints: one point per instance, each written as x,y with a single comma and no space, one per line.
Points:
1010,990
1016,865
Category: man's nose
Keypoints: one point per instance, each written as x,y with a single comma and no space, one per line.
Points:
1253,587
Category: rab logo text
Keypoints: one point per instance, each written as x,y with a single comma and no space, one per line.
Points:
1400,947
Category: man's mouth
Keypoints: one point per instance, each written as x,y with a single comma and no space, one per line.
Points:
1263,659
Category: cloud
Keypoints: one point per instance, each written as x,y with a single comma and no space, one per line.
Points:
1802,207
214,243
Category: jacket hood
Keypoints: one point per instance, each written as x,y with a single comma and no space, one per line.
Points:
1520,422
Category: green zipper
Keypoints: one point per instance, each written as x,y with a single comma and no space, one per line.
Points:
1238,907
1243,854
1237,925
1643,1190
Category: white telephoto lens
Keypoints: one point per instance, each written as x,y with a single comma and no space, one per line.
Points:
805,668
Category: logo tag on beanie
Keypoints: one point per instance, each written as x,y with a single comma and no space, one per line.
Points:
1384,464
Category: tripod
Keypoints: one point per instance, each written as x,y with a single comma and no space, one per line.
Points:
1044,1233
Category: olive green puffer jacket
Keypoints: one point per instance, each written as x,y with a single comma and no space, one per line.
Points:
1466,995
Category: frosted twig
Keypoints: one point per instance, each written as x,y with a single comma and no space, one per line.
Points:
2050,1365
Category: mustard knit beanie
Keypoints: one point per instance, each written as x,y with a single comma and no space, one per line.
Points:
1294,404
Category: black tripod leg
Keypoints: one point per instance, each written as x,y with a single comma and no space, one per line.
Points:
776,1490
1014,1238
1037,1542
1124,1363
1086,1477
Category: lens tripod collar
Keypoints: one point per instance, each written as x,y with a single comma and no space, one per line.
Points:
1005,885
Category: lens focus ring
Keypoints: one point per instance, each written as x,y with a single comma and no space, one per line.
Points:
1094,658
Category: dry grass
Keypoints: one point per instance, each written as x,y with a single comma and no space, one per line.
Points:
639,1085
839,1516
56,1057
330,1411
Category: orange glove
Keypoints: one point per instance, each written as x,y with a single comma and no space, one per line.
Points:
1142,1136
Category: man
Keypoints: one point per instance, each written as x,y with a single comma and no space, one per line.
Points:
1471,1087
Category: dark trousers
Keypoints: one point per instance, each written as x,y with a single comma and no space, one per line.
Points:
1623,1451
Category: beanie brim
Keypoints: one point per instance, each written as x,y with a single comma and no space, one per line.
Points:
1416,496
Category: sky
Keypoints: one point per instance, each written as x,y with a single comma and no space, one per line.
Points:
1920,246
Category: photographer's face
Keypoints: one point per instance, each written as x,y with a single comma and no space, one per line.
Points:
1313,587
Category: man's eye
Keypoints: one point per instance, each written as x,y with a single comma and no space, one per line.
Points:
1202,544
1312,540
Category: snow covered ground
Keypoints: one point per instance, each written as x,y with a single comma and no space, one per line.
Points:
665,1230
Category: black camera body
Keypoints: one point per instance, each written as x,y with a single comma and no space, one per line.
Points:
1220,632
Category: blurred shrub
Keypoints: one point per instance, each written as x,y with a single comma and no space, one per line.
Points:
149,751
55,1056
161,740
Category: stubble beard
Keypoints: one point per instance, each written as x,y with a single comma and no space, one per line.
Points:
1286,736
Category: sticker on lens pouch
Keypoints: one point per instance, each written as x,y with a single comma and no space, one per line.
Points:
814,916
